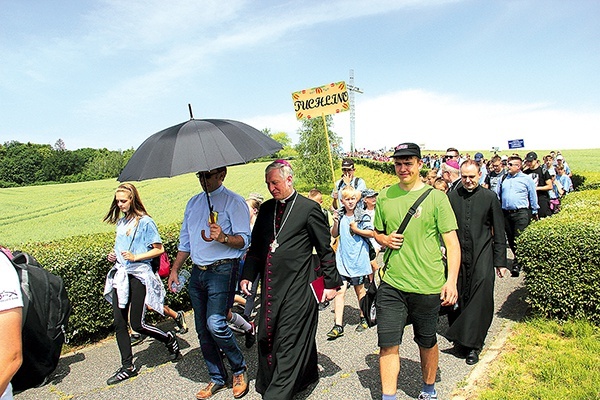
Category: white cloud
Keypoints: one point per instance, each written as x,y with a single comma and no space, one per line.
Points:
439,121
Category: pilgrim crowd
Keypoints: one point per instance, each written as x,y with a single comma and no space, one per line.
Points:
266,268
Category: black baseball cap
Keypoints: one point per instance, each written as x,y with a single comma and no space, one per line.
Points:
407,150
532,155
347,163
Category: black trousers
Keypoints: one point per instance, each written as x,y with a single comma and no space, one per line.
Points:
515,223
135,309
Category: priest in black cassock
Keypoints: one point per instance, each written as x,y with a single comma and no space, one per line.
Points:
483,254
286,230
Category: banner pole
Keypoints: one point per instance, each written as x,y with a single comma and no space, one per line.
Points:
329,149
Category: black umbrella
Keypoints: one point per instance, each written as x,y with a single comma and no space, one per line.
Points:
197,145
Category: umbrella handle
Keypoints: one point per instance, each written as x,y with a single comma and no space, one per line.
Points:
206,239
213,220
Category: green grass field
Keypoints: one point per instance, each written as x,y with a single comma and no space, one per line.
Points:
44,213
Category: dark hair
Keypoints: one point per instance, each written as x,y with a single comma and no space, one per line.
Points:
515,157
136,209
468,162
313,192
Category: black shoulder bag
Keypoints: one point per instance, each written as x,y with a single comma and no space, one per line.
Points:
367,303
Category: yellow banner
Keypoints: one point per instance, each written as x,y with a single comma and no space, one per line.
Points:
322,100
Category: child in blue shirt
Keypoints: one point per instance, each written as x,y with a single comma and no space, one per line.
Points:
352,256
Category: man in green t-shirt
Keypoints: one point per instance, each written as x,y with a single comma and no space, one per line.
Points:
414,283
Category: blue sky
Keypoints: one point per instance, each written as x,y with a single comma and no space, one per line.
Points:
469,74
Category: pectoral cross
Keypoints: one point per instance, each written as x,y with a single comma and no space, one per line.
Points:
274,245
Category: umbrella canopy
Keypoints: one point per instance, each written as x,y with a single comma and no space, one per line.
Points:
197,145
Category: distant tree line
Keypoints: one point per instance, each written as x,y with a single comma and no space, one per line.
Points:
24,164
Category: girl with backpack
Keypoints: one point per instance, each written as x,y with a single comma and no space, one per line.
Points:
131,285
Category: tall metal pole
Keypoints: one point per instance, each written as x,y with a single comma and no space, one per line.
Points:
352,115
352,89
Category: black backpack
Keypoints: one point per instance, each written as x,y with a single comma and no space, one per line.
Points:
46,311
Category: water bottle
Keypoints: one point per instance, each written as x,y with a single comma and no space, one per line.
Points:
184,276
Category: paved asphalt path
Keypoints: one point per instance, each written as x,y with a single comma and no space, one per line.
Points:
349,365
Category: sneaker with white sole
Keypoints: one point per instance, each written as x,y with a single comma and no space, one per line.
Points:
122,374
173,347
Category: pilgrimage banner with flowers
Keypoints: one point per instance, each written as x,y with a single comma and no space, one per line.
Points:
322,100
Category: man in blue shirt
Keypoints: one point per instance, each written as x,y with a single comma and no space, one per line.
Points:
517,193
479,159
215,240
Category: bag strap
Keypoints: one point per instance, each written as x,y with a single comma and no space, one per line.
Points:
137,223
342,182
500,186
411,211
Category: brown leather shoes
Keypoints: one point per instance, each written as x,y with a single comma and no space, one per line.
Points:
210,389
240,385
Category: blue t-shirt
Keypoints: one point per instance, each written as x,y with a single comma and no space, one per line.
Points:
352,256
136,239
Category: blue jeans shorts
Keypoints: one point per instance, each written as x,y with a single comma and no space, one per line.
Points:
395,308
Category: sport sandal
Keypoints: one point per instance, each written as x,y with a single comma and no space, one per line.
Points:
180,322
335,332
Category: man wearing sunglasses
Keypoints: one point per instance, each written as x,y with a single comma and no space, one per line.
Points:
347,179
215,237
518,197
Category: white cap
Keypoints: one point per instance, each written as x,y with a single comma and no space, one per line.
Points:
504,157
559,157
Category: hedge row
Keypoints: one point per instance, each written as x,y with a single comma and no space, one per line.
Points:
561,258
81,262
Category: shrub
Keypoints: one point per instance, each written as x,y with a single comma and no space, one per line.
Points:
560,256
81,262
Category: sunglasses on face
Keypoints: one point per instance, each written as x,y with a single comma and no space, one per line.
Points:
512,164
206,175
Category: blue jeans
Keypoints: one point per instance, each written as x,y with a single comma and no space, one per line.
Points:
210,293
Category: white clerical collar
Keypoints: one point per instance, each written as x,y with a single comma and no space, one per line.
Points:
287,198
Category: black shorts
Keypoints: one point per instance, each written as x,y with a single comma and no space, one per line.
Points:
355,281
394,307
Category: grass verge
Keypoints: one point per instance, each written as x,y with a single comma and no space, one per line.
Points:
546,360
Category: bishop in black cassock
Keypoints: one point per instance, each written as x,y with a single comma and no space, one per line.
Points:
483,254
286,230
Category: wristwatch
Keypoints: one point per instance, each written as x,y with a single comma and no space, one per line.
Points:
226,240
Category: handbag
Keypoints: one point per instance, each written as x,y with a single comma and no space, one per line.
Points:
368,303
161,264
